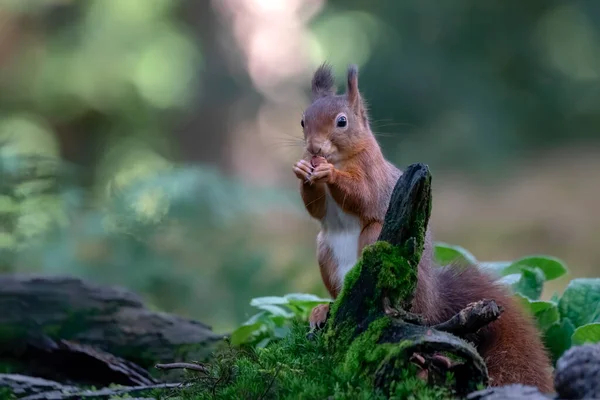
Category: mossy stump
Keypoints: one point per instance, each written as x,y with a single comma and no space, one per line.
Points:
369,329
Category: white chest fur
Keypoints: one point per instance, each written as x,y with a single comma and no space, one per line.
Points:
340,234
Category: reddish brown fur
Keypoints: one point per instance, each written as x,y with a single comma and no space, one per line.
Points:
511,346
361,181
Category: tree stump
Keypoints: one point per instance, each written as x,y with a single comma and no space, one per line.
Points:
369,326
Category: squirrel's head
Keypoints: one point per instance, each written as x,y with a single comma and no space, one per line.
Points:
335,126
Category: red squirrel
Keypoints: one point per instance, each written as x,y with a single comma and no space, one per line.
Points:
346,184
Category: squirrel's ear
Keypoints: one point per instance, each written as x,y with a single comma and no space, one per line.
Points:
352,93
323,82
352,89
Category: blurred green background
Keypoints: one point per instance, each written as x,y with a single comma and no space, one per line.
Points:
149,143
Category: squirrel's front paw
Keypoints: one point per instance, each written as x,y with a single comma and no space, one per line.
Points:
303,170
324,173
318,316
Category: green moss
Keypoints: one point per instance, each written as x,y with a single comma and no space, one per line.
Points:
452,356
296,368
363,352
382,272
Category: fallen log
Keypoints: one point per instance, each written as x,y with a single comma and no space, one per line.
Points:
29,388
65,361
46,319
21,385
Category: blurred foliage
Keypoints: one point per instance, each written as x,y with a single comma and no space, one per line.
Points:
109,76
471,84
168,236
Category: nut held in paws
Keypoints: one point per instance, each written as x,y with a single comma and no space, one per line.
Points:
317,160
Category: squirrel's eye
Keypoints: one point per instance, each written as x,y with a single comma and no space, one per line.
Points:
302,123
342,121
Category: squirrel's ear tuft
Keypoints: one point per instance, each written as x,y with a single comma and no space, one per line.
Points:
323,82
355,100
352,89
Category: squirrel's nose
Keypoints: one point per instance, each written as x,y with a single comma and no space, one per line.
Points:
314,148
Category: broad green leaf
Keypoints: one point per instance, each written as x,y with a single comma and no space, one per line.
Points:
558,338
268,300
510,280
256,317
537,306
276,310
263,343
545,312
281,332
280,321
305,297
589,333
244,332
581,301
302,310
445,254
495,267
551,267
530,284
302,303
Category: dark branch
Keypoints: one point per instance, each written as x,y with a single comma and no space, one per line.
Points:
472,318
182,365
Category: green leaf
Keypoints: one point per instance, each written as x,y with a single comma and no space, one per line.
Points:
558,338
531,283
510,280
445,254
279,320
302,303
263,343
305,297
495,267
281,332
551,267
245,332
581,301
268,300
545,312
256,317
276,310
589,333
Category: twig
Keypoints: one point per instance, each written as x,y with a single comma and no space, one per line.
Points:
400,313
182,365
472,318
270,383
